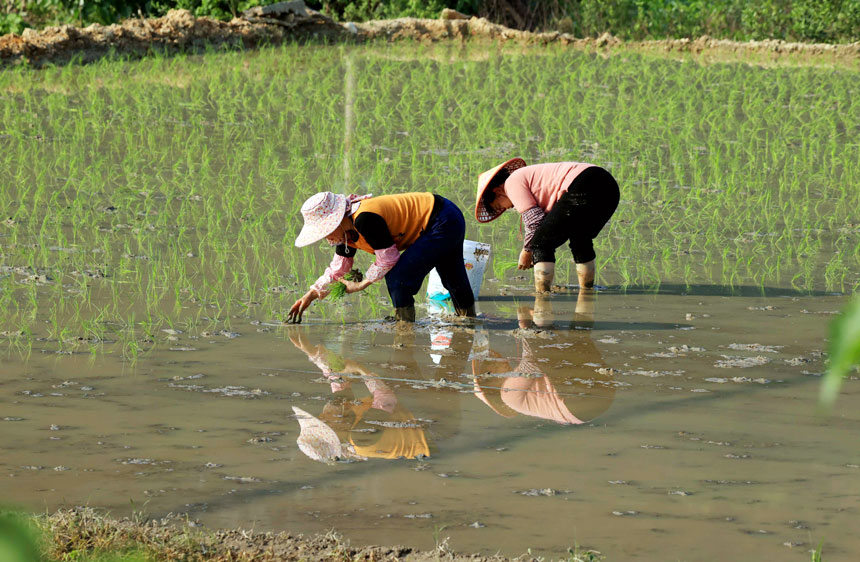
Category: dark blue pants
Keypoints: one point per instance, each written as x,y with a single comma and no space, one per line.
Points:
439,246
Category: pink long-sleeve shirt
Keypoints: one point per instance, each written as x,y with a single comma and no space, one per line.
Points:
541,184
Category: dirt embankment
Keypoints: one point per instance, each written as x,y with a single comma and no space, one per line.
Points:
84,530
180,31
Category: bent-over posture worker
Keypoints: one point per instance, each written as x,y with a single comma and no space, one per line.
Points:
409,234
559,202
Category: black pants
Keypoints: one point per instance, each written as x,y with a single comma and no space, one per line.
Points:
578,216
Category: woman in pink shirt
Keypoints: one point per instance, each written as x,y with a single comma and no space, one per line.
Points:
559,202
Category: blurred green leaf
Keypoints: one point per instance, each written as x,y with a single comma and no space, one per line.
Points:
17,540
844,351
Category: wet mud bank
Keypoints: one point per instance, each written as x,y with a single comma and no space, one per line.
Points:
180,31
82,529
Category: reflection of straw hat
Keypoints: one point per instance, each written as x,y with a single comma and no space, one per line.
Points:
318,441
482,213
323,213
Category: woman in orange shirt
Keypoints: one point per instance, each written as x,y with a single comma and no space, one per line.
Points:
409,234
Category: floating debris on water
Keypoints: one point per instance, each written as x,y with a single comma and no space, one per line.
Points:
394,424
188,377
140,461
729,482
733,361
653,374
680,493
625,513
541,492
243,479
686,349
477,525
757,347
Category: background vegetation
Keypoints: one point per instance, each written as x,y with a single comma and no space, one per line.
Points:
798,20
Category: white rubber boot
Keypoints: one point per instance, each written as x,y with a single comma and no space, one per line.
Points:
585,273
544,274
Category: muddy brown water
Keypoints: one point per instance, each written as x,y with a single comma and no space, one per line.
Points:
677,424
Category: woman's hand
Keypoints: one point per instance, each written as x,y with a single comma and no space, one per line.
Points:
354,286
526,260
295,315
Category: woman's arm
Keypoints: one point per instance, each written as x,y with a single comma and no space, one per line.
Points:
338,267
374,229
532,219
386,259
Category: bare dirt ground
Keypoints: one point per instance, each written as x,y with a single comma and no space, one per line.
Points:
180,31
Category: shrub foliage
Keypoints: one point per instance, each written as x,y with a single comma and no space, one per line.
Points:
797,20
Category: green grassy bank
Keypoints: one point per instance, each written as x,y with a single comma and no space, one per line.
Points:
796,20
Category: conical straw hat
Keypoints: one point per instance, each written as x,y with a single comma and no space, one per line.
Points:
482,213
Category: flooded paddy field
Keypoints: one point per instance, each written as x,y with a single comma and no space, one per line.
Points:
640,424
147,217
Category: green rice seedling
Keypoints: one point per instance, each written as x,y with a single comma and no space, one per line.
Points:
338,289
201,156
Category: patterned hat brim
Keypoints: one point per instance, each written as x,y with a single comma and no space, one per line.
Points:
317,230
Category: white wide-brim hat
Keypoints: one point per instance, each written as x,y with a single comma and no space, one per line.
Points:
323,213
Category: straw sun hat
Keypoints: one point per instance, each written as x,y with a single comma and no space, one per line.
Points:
482,213
322,213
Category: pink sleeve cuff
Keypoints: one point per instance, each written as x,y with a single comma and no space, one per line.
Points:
338,267
385,260
532,219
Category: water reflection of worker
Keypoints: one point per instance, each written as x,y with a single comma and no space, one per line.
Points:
583,392
378,425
